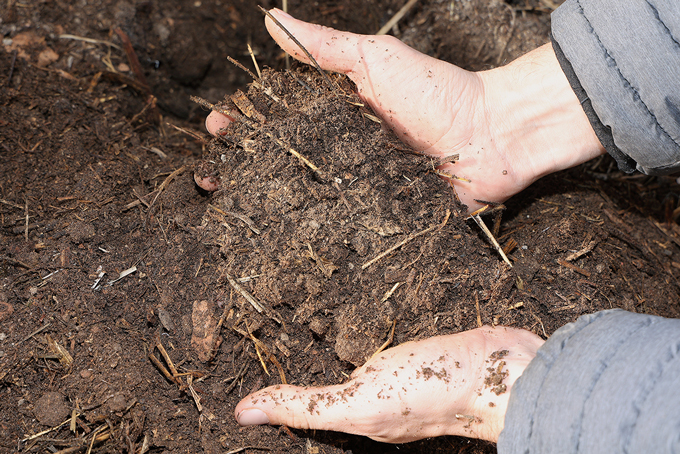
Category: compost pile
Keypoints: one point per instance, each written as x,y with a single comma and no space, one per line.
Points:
136,311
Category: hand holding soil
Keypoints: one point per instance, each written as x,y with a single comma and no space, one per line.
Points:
509,126
447,385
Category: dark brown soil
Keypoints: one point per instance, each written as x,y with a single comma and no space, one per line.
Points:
108,250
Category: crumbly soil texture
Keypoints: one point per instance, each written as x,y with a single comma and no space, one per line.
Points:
136,310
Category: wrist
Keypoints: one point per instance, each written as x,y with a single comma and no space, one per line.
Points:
508,352
537,116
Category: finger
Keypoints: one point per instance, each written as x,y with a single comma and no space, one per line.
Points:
207,176
217,121
207,183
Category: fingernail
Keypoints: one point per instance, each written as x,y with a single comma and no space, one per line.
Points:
281,13
252,417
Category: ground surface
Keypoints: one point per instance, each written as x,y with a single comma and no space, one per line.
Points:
108,250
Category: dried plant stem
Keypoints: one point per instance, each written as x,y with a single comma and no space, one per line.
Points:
489,235
406,240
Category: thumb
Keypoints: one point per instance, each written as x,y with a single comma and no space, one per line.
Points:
332,49
338,407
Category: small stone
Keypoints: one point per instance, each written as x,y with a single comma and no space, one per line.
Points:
117,403
51,409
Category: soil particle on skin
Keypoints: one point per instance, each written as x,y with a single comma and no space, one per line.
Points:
495,377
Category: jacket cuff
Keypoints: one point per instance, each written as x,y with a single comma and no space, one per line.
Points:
625,56
603,133
605,383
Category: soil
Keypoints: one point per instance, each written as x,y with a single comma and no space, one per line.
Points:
116,271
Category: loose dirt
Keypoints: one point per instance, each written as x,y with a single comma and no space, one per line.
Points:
127,296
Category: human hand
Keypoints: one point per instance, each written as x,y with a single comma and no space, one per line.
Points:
510,126
416,390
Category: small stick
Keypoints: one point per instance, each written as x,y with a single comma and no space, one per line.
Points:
189,132
237,450
267,91
132,59
26,230
390,292
241,373
7,202
246,220
403,242
259,307
299,44
46,431
14,262
479,314
397,17
240,66
489,235
573,267
451,177
257,67
37,331
387,342
167,181
164,352
89,40
11,69
163,369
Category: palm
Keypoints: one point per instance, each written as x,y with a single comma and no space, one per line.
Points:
434,106
416,390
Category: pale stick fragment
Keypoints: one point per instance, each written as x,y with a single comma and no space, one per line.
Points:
406,240
488,233
259,307
397,17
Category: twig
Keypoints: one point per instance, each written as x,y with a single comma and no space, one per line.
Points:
189,132
387,342
14,262
397,17
479,313
240,66
246,220
11,68
89,40
237,450
488,233
299,44
259,307
257,67
451,176
164,370
46,431
259,345
241,373
403,242
167,181
390,292
26,230
292,151
12,204
574,255
266,90
37,331
572,267
132,59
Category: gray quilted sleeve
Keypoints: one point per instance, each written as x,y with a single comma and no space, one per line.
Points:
623,59
608,382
